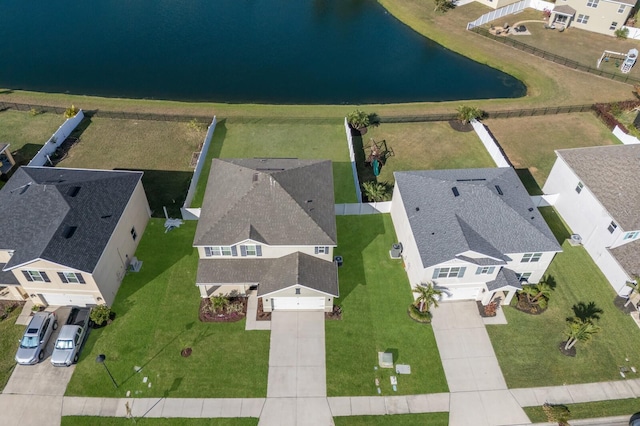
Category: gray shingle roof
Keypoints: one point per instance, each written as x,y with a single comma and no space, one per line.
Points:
628,256
565,9
478,219
271,274
7,277
505,278
274,201
65,216
611,174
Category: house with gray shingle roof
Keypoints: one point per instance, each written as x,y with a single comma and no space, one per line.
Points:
474,233
597,193
68,235
269,223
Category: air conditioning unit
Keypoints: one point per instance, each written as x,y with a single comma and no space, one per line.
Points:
575,240
396,251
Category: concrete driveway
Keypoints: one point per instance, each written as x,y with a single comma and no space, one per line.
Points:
33,394
297,386
479,394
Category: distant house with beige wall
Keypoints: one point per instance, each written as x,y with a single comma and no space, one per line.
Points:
269,224
599,16
68,236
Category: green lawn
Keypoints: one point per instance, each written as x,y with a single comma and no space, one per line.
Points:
162,149
10,334
157,316
26,133
374,295
299,139
421,146
431,419
590,410
527,348
118,421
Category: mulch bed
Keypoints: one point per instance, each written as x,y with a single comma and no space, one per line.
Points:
63,149
619,303
459,126
524,306
481,310
206,314
571,352
335,314
8,306
261,315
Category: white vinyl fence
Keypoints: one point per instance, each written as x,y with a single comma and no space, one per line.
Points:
509,10
490,144
363,208
63,132
623,137
187,213
634,33
352,157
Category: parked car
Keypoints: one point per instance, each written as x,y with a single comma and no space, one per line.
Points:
72,336
635,420
33,343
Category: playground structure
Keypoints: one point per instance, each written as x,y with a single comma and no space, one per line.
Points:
378,154
627,60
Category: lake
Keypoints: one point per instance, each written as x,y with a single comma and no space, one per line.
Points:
264,51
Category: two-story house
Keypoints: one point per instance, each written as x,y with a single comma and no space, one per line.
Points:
598,196
474,233
68,236
269,223
600,16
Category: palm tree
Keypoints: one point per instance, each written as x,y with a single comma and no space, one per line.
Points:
467,113
587,312
544,290
376,191
358,119
634,289
219,303
579,331
428,296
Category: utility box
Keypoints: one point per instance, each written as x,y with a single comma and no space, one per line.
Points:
396,251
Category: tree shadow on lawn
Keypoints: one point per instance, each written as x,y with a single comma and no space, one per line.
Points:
365,174
353,238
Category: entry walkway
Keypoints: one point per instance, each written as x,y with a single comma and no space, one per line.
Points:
479,393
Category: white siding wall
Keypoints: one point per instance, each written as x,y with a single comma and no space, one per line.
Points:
537,269
412,261
587,217
600,18
272,252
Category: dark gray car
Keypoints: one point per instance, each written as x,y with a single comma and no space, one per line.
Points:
35,338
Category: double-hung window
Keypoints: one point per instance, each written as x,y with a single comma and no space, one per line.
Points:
218,251
322,250
452,272
631,235
36,276
581,19
71,278
485,270
523,276
250,250
612,227
592,3
531,257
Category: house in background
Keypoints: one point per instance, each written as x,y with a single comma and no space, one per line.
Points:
67,236
597,194
599,16
269,223
474,233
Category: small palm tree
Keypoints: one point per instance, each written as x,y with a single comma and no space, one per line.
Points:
219,303
358,119
544,291
428,296
579,331
467,113
376,191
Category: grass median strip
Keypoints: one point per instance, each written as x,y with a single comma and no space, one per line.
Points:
431,419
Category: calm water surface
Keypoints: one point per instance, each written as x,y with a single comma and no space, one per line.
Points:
275,51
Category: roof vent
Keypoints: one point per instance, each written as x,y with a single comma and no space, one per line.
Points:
69,231
455,191
105,216
530,209
255,177
417,209
73,191
499,190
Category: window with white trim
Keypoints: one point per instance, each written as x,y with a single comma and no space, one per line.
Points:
581,19
631,235
322,250
622,8
523,276
485,270
580,185
218,251
613,26
71,278
612,227
453,272
250,250
134,234
297,290
36,276
531,257
593,3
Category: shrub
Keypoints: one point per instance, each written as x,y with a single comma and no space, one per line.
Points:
377,191
416,315
467,113
71,111
621,33
100,314
491,309
358,119
34,112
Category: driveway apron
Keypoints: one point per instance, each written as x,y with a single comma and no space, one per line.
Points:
297,384
479,393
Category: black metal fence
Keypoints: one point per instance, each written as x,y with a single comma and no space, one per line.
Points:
624,78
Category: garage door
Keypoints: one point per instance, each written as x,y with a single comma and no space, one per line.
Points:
461,293
59,299
297,303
